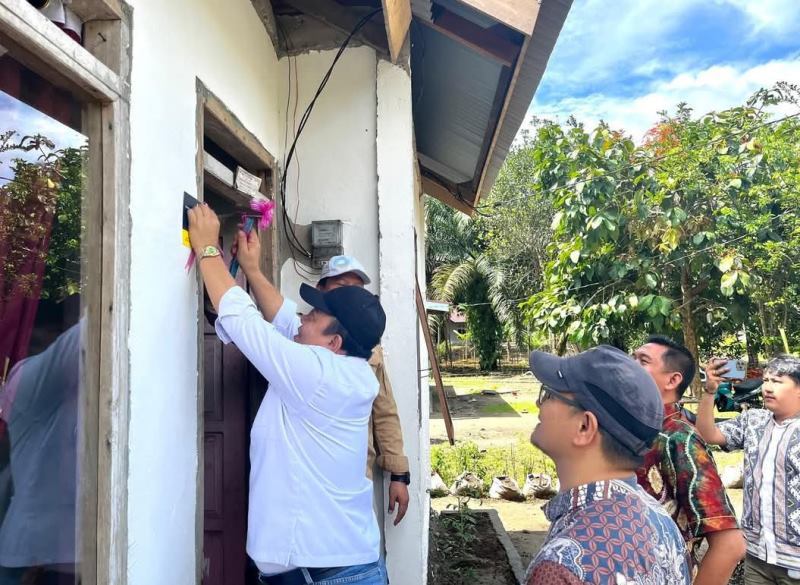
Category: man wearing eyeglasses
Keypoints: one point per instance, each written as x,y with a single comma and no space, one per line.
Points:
599,412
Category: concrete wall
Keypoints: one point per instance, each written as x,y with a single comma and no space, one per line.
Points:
406,544
223,43
333,175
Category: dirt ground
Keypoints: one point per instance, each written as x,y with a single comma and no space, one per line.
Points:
499,418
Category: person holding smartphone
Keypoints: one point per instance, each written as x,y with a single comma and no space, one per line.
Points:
770,438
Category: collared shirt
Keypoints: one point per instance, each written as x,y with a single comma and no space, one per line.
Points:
680,473
310,501
609,532
771,519
385,434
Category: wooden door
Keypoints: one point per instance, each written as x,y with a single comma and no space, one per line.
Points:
226,459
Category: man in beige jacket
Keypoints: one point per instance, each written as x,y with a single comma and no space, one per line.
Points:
385,435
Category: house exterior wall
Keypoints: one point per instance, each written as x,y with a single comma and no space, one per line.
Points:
398,220
223,43
360,129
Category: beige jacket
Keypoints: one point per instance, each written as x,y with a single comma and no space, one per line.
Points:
385,435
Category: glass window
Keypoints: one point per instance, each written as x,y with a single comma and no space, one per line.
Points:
42,326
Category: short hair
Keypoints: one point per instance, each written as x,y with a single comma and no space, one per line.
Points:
677,358
784,365
350,345
617,453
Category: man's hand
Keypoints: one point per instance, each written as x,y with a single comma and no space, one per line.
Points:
398,494
203,227
715,370
248,251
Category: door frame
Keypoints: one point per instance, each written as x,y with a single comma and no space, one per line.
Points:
98,74
216,120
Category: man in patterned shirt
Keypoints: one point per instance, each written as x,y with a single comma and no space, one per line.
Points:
770,438
599,412
679,471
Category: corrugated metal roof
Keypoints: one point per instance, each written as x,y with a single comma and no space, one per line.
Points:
463,132
454,91
552,14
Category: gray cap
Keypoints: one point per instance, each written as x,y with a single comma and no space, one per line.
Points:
609,383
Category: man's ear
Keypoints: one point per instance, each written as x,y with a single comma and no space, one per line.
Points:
589,429
336,343
675,379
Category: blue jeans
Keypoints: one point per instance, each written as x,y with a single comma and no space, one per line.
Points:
369,574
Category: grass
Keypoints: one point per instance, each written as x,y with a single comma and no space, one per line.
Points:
516,460
464,385
513,407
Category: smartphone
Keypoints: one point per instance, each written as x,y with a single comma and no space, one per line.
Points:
737,370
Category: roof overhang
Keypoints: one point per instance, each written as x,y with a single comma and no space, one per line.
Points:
475,67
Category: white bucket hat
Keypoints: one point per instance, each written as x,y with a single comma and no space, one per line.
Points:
342,264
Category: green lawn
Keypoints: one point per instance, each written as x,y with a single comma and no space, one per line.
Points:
511,407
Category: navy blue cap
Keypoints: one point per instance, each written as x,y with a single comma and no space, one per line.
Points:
609,383
358,310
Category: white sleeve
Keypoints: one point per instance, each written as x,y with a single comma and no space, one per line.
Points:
286,319
293,370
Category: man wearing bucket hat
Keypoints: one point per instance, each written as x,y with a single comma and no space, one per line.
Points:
599,412
310,515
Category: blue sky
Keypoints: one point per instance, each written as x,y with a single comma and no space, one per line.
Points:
624,60
16,115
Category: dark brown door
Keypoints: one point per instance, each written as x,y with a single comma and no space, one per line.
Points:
225,462
226,440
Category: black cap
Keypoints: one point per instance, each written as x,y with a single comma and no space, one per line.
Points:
358,310
609,383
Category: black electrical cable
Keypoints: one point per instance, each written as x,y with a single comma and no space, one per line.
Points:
287,224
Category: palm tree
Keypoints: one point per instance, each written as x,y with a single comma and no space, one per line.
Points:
459,273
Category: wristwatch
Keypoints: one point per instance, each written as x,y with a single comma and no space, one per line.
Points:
209,252
401,477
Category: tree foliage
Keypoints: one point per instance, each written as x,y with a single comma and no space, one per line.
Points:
680,235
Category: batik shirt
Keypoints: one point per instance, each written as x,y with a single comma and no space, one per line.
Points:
609,532
771,519
679,472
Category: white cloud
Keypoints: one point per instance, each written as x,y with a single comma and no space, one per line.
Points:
775,17
602,40
714,88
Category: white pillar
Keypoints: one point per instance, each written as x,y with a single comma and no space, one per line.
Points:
406,544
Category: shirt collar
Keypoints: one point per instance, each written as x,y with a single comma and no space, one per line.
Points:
579,496
672,410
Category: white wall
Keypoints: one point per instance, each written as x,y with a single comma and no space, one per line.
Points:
174,42
336,155
406,544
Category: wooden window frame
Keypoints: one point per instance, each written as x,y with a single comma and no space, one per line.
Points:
215,120
97,74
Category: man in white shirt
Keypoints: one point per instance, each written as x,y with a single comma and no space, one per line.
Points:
310,518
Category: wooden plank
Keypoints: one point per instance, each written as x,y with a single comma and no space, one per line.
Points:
437,374
506,103
199,512
102,39
397,18
336,16
482,40
55,55
97,9
228,132
114,413
91,306
434,189
517,14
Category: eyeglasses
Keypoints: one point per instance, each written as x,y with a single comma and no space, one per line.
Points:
546,393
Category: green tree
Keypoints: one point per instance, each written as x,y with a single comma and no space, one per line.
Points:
674,236
460,274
